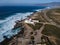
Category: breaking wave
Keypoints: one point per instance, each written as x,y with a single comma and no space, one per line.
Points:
7,25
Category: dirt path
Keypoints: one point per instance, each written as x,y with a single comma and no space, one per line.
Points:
27,31
47,18
37,38
39,34
50,20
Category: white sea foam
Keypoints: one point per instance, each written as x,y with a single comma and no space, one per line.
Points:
7,24
39,10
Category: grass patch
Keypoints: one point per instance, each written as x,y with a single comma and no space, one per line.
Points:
40,17
32,26
36,26
55,18
58,10
51,30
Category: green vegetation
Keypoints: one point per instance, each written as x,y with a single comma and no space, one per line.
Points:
54,17
32,26
57,10
40,20
40,17
51,30
36,26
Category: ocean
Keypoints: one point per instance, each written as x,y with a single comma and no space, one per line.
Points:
10,14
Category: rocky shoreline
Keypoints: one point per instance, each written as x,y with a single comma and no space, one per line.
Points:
30,33
17,25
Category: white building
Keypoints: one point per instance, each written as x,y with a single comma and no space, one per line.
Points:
31,21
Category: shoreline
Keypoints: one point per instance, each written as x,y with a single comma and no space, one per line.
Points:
8,39
39,10
19,26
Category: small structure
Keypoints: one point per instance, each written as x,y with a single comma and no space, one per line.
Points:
35,21
31,21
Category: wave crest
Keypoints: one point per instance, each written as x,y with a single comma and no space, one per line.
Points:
7,24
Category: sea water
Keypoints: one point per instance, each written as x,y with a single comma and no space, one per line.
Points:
10,14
